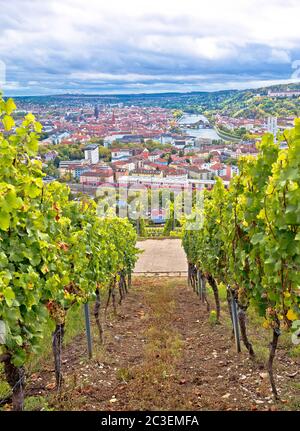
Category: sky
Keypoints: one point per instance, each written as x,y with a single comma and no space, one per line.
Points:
130,46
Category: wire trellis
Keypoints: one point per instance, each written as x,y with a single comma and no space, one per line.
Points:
10,391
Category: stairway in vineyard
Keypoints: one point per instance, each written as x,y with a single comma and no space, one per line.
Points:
161,257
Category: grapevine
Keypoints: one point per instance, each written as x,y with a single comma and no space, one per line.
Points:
249,239
55,252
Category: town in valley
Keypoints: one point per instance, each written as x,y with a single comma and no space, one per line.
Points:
167,141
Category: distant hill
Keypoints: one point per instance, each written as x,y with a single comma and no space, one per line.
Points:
256,103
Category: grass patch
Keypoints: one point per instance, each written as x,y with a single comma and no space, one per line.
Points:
222,292
74,326
5,390
124,374
213,317
294,352
37,403
163,347
258,336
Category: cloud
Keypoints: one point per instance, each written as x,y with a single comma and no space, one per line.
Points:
280,56
119,46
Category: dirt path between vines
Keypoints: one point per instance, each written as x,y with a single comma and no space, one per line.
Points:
161,353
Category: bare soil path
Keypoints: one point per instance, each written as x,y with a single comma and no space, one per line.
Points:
161,256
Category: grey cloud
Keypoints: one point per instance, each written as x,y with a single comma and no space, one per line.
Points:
46,44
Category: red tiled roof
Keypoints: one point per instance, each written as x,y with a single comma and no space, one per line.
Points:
96,174
217,166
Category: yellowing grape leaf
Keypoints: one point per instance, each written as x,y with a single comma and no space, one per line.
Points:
8,122
10,106
291,315
4,220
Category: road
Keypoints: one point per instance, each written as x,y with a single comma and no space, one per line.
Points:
161,256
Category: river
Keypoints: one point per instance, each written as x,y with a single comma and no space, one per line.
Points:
203,133
197,133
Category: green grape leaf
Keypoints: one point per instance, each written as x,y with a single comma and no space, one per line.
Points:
4,220
9,295
19,357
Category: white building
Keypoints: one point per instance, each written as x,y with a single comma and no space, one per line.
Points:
167,139
91,153
171,182
153,157
121,154
58,137
272,126
180,144
288,93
